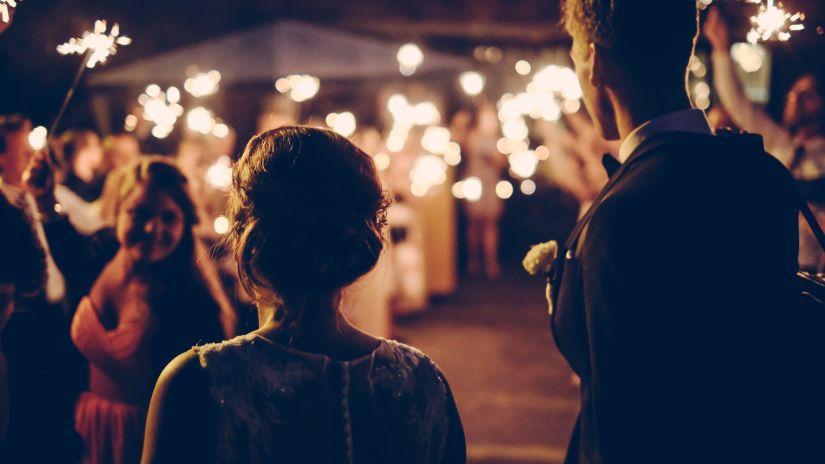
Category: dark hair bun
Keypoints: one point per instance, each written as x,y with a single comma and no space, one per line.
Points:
307,209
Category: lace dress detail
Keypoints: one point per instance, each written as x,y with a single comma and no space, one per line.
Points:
388,406
406,371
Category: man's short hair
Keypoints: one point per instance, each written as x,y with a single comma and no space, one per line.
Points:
651,37
10,124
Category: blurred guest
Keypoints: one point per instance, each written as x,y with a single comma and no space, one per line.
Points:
83,156
409,271
195,157
22,272
35,337
575,156
151,293
119,150
797,141
307,212
484,162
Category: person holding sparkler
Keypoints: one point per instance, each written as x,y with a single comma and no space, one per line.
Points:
149,294
35,339
798,141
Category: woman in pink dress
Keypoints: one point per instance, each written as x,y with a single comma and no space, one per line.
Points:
153,299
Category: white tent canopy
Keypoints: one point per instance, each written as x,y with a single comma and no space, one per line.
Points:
276,50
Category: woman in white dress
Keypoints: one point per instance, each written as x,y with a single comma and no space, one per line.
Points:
307,211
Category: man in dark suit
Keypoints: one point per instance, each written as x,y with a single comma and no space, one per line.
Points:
669,294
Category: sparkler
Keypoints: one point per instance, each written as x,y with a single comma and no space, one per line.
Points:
96,47
4,9
773,21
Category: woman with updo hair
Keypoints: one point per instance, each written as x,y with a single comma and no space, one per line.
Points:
307,214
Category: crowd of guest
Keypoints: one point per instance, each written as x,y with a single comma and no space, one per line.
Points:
120,279
127,285
108,280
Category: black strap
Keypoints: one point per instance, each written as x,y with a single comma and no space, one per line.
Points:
812,222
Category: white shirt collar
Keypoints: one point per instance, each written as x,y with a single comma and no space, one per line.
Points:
690,120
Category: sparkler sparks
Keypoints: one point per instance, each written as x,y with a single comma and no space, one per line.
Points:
5,13
774,22
98,44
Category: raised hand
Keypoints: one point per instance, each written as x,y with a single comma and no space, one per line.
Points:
717,31
40,181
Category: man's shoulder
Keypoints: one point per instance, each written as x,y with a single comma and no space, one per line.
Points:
705,161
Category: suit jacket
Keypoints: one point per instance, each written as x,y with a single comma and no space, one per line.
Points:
666,298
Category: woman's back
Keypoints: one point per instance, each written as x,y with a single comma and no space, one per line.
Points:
276,404
307,213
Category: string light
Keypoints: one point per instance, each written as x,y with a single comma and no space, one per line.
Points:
299,87
471,189
471,82
342,123
409,58
200,120
523,67
528,187
427,172
504,189
160,108
37,138
219,174
202,84
221,225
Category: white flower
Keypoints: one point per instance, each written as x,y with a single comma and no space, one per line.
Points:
540,258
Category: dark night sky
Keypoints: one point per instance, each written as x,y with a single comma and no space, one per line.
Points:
34,76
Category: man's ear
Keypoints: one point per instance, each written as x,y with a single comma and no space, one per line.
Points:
595,56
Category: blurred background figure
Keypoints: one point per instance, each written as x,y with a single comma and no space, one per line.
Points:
797,141
410,294
119,150
83,158
22,272
575,157
35,337
485,163
150,293
82,178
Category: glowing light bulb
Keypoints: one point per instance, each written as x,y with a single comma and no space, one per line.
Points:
221,225
37,138
471,82
472,188
523,67
504,189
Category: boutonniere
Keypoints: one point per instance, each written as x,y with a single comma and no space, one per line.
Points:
540,258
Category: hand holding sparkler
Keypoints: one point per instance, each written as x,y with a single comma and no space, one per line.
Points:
40,181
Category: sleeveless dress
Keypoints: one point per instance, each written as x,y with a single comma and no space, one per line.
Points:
277,404
111,416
